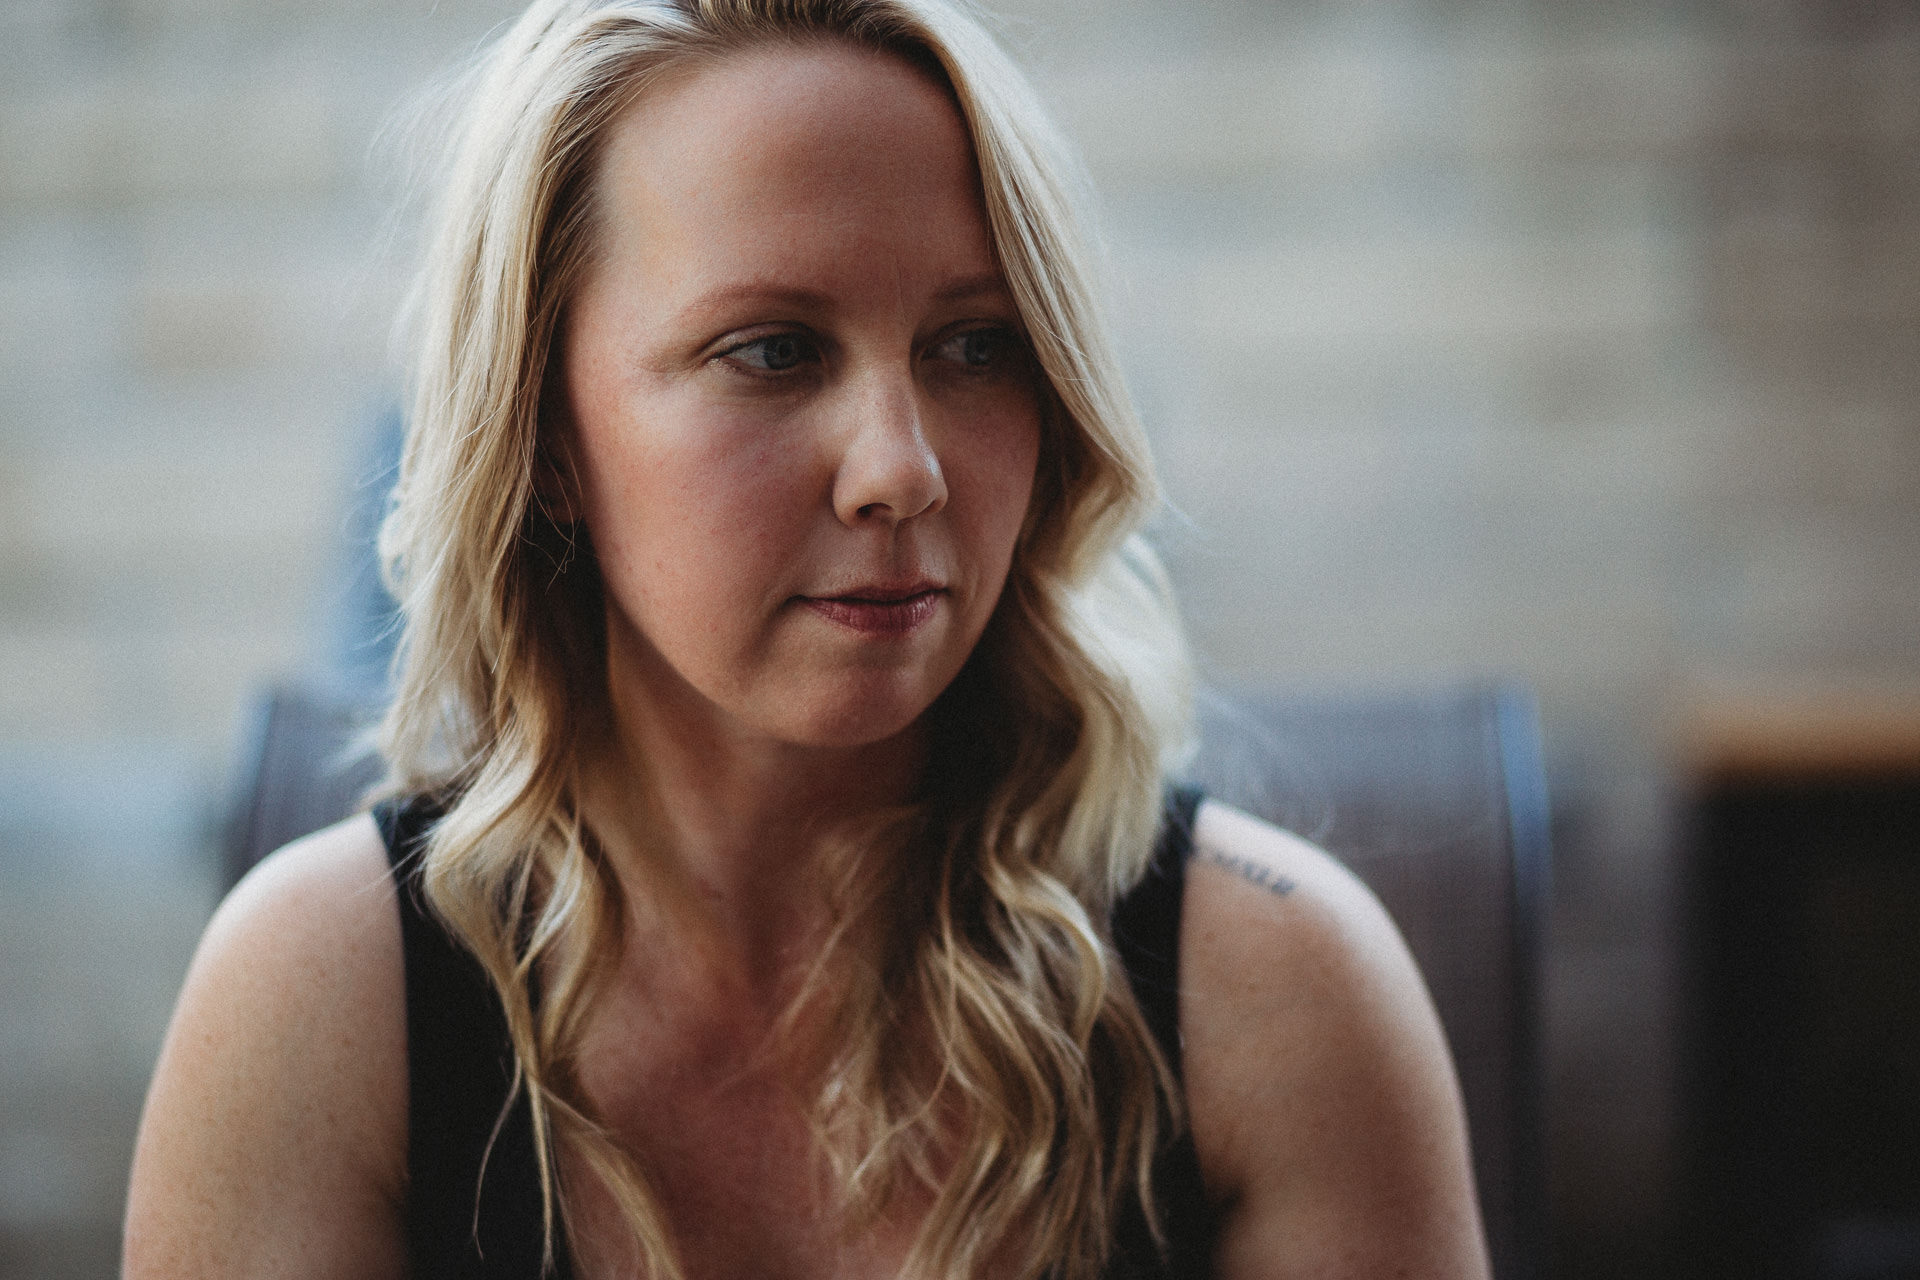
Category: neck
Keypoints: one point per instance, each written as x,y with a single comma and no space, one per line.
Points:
717,835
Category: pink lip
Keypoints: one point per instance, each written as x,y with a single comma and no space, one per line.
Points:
880,610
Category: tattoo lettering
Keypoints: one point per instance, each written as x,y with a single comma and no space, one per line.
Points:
1247,869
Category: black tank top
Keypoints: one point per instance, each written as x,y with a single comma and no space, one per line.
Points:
460,1065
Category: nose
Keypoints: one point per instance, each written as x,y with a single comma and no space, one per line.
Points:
888,470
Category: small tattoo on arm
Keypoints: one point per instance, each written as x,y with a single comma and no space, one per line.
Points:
1247,869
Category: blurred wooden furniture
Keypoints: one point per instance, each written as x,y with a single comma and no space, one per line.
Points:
1801,1048
1436,800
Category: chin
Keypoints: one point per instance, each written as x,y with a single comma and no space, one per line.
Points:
850,732
849,722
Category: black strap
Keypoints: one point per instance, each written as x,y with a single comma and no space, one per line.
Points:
1146,924
460,1066
1146,930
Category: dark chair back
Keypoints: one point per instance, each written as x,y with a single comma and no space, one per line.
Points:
1437,801
302,767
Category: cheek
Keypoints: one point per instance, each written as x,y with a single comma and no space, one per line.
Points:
703,462
683,499
1000,468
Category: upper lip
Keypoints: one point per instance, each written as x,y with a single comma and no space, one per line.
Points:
882,592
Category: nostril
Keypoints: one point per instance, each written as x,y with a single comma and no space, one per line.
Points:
888,469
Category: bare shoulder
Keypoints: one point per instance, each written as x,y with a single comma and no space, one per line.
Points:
1320,1091
274,1137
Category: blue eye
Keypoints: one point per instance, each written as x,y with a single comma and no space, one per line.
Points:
980,348
775,353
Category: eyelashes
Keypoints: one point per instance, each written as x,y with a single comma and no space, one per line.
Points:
984,348
775,353
979,350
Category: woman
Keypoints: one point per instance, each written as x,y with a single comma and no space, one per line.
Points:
780,747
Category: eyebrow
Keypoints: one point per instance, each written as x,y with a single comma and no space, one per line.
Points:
757,291
966,288
976,286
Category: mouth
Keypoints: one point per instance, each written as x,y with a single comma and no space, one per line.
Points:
880,610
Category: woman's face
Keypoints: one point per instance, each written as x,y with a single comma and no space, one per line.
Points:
804,420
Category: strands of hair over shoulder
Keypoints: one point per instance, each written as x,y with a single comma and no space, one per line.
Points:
986,1056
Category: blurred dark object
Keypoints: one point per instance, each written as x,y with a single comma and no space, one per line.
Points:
1803,1047
364,621
308,760
305,767
1438,801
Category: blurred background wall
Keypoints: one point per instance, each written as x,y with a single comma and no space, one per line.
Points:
1578,344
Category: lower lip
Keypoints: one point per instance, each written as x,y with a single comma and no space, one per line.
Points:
877,617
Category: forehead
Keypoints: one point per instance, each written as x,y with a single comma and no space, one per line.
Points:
777,154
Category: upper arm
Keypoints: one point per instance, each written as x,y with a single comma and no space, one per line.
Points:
1321,1094
274,1137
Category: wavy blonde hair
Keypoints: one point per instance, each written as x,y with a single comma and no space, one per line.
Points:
987,1052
